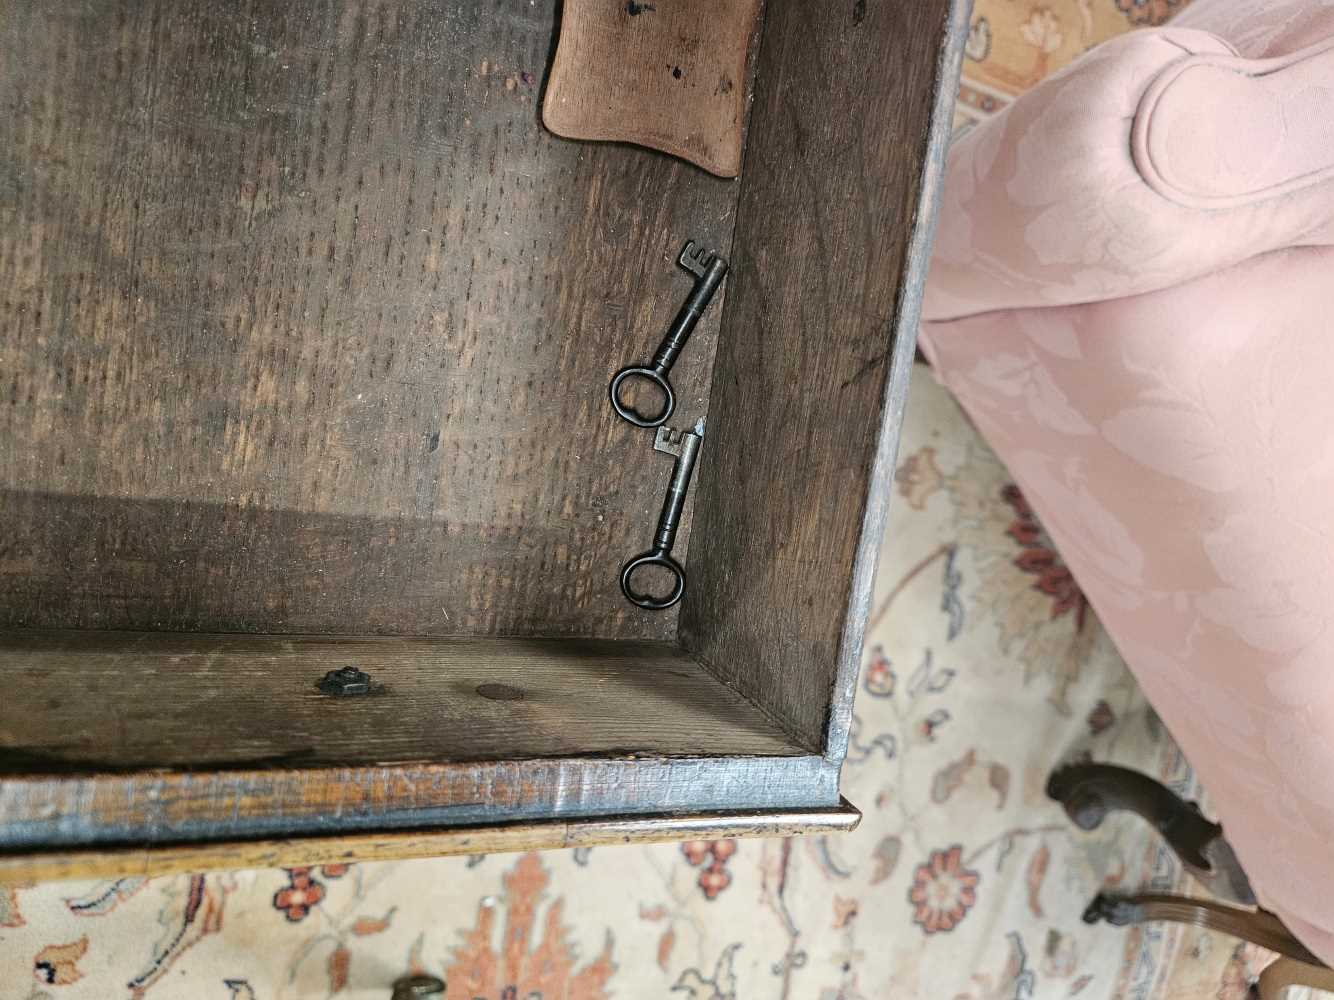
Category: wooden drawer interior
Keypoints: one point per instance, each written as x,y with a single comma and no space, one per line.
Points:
305,337
309,324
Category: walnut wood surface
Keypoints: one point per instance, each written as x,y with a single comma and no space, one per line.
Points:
306,323
844,154
109,737
306,327
81,701
177,859
670,75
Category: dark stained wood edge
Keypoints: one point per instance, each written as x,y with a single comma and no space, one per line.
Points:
178,859
160,808
880,488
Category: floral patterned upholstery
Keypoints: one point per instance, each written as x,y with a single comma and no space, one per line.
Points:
1130,296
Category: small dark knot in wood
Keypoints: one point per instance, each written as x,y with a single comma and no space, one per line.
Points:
345,682
500,692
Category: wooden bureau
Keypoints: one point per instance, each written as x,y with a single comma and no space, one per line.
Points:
306,325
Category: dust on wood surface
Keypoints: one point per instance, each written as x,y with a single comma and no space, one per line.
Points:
307,323
82,701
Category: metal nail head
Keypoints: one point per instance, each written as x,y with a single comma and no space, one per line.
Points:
345,682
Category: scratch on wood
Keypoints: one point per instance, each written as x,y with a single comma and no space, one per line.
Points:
865,368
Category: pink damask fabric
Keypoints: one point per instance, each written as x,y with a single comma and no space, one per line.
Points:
1132,296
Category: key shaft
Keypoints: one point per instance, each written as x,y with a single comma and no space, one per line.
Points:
675,501
685,447
688,316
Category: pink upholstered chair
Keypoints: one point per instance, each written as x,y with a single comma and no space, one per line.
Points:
1132,295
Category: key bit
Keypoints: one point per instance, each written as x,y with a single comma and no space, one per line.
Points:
709,270
696,259
684,445
670,441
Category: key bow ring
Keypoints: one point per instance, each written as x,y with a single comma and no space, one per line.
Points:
709,270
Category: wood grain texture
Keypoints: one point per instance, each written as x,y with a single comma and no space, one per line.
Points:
306,327
306,323
180,859
669,75
900,359
96,702
832,237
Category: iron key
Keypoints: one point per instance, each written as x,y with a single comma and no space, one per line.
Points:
685,446
709,269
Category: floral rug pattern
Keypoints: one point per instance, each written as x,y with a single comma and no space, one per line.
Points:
984,668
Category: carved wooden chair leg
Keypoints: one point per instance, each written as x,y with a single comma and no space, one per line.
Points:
1089,791
1257,926
1287,972
1296,965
